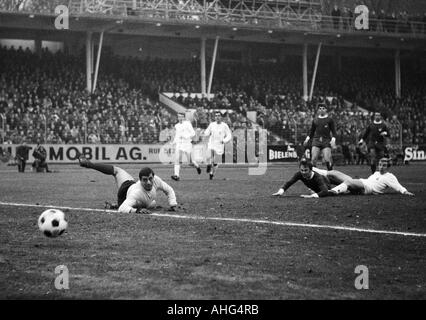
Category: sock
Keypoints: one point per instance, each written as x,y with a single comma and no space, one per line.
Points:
341,188
177,169
209,168
195,164
329,166
101,167
320,171
214,168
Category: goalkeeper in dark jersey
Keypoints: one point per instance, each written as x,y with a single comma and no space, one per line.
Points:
318,183
376,138
323,134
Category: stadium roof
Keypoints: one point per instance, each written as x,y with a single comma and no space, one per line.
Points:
27,25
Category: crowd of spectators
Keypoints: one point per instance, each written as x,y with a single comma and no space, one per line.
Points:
35,6
393,20
44,99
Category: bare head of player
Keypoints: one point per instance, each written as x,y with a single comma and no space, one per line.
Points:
322,110
146,177
218,117
383,166
305,167
181,117
377,116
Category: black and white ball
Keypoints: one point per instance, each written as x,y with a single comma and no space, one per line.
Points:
52,223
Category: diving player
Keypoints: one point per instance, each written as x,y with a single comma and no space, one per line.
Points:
378,183
316,182
132,196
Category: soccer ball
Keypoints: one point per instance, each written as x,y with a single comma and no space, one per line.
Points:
52,223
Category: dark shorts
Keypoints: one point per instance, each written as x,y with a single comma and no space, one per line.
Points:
321,143
122,191
379,150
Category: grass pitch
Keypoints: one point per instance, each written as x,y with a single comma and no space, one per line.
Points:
236,256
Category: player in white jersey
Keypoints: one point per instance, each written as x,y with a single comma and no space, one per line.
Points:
219,134
183,145
380,182
134,196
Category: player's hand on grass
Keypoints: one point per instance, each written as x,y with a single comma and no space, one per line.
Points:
111,206
407,193
176,208
314,195
143,211
279,193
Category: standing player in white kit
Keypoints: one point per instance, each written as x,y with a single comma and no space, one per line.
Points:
183,145
219,134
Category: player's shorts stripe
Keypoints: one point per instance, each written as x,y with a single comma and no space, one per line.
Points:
256,221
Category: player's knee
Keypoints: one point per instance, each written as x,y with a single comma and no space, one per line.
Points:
117,171
348,182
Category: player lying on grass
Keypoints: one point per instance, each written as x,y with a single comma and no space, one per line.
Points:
132,196
382,181
318,183
378,183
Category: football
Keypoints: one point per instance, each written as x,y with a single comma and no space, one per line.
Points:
52,223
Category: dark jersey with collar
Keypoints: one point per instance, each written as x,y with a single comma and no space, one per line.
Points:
322,127
373,134
317,183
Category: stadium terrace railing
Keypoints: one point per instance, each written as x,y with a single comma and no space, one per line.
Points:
279,14
289,15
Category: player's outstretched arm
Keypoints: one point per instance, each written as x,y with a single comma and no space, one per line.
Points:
393,183
128,206
297,176
168,191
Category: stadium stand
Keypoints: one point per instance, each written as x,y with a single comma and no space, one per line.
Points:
44,98
117,113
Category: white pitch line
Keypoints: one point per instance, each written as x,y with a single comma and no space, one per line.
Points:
255,221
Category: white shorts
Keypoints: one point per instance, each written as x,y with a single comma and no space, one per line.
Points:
187,147
368,188
219,149
121,176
